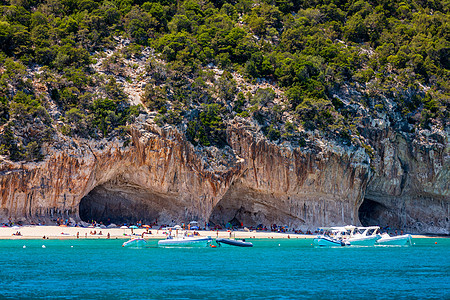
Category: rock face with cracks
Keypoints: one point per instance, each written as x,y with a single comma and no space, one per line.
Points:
163,177
411,188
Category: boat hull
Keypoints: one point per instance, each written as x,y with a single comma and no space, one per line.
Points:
401,240
233,243
363,241
135,243
327,242
185,242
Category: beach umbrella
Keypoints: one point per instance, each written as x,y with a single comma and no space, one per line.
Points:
15,227
133,227
177,227
124,227
146,226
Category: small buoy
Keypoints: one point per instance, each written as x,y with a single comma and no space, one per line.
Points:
43,246
278,245
435,243
24,246
71,246
213,246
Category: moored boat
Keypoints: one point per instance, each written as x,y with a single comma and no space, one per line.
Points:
136,242
400,240
230,242
363,236
185,240
324,241
331,237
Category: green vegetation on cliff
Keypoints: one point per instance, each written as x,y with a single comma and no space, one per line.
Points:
394,55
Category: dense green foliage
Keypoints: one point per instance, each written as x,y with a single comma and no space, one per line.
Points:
310,49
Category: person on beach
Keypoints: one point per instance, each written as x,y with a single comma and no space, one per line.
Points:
78,235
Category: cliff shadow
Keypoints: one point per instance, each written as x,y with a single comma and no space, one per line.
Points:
120,203
373,213
415,214
244,206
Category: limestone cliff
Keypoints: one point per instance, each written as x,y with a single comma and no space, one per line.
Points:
162,176
411,186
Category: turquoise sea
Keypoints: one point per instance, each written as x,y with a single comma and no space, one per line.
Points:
272,269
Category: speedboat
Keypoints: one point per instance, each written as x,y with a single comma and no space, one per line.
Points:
400,240
363,236
230,242
186,240
136,242
331,237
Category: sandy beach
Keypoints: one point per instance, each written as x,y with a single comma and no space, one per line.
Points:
61,232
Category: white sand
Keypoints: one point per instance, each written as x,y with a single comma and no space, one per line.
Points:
60,232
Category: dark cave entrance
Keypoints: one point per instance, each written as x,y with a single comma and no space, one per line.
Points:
121,203
372,213
236,213
250,208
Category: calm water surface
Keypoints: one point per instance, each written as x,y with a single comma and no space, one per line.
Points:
272,269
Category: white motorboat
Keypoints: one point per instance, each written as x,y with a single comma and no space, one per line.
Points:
363,236
399,240
136,242
331,237
185,240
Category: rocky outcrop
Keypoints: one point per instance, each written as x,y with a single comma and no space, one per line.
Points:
305,187
410,188
162,176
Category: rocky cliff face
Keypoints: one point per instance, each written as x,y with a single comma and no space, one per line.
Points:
162,176
410,188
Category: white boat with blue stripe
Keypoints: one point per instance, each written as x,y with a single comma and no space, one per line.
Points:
331,237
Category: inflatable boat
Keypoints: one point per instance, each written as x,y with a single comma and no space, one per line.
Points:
237,243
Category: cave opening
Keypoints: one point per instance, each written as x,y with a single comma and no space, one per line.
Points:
372,213
125,203
242,206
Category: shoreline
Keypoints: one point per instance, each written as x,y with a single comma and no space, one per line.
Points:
62,233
